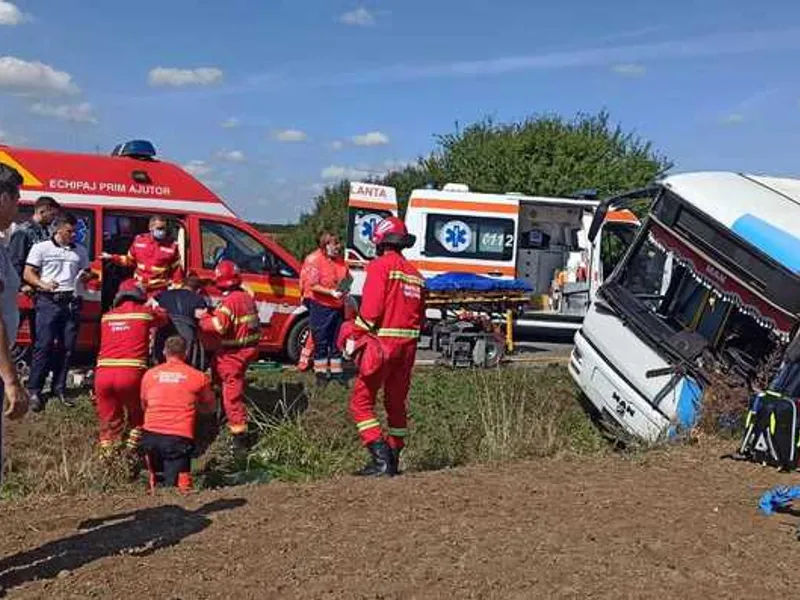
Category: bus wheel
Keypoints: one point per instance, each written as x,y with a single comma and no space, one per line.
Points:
298,335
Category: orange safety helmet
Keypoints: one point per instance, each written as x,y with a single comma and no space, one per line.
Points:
366,352
392,232
227,275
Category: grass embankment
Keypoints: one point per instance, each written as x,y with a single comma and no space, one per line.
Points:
305,433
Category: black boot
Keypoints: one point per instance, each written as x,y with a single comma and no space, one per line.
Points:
396,460
382,462
240,446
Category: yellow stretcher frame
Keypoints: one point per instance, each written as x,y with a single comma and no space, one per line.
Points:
500,303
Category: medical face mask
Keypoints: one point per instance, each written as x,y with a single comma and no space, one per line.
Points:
331,251
159,234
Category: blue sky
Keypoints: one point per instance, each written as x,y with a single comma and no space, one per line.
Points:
267,101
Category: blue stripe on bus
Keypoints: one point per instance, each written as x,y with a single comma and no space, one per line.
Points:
772,241
687,411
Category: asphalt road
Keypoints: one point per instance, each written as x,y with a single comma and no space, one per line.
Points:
527,352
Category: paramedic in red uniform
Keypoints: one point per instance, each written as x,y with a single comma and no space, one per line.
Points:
155,258
234,322
121,363
172,395
392,308
323,280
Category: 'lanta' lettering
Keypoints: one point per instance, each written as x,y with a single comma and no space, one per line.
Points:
371,191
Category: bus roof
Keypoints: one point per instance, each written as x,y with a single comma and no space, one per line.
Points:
73,178
764,211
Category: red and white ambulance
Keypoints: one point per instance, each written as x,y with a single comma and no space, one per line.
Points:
113,198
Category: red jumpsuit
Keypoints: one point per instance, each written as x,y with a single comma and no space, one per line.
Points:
121,363
157,263
392,306
235,321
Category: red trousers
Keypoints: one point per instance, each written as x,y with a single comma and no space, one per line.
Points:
228,368
117,396
395,379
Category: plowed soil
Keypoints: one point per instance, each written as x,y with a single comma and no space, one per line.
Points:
672,524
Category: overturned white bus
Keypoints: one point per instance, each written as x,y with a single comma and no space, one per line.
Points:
710,284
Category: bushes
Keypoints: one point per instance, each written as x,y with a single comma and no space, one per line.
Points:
457,418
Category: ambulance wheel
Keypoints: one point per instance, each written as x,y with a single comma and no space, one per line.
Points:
298,335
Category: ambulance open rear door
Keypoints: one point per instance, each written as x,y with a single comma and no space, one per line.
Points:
368,204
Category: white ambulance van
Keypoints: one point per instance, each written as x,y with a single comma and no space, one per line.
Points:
540,240
711,284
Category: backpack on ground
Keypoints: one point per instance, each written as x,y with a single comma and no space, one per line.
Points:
772,431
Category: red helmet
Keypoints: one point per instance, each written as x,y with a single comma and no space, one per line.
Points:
227,275
392,232
129,290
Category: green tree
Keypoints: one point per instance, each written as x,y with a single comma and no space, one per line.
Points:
544,155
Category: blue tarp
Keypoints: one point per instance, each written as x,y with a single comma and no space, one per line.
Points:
469,282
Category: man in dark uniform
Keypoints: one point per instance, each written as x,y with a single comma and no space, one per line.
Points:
183,305
32,231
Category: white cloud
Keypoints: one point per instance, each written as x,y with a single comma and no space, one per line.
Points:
629,69
291,135
11,139
337,145
373,138
23,76
231,123
232,156
10,14
339,172
732,119
359,17
363,171
689,48
75,113
172,77
198,168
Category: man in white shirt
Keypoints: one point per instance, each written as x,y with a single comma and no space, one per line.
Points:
54,268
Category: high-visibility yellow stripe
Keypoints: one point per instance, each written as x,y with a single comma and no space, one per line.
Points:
217,324
127,317
247,319
368,424
410,334
122,362
406,278
154,269
225,310
364,324
246,341
397,432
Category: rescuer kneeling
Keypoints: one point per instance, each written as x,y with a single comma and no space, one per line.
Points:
172,395
234,322
383,340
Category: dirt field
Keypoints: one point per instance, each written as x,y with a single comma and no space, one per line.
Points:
678,524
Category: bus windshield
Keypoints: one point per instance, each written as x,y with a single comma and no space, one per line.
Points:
670,284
